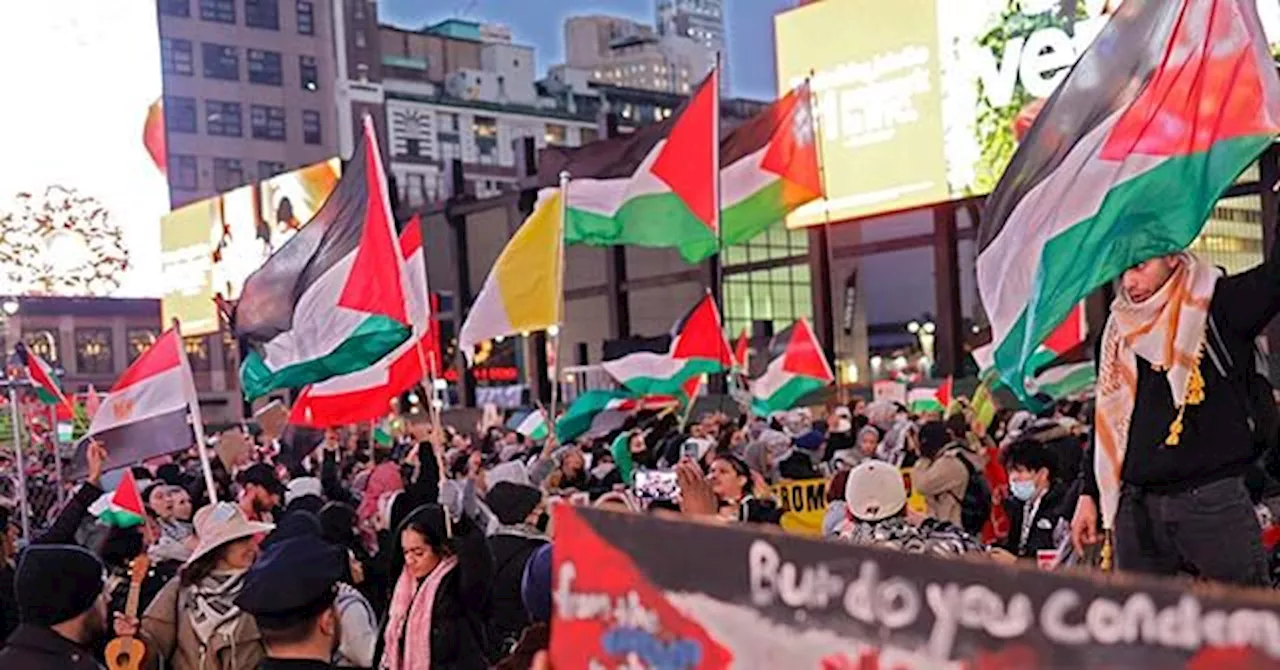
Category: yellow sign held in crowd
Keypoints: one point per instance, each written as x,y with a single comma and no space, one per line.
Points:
804,504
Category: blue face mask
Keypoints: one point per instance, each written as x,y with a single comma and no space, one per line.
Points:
1022,489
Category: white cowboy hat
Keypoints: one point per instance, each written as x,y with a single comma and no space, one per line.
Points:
221,523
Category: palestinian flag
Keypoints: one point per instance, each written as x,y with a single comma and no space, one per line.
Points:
382,434
1170,103
531,424
122,508
599,412
656,187
1065,340
661,365
798,368
1066,381
42,377
332,300
930,399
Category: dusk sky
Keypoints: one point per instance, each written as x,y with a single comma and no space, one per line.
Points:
541,24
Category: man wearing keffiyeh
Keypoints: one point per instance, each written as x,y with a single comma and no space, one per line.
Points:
1174,433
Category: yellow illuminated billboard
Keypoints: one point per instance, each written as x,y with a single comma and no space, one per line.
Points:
186,263
922,101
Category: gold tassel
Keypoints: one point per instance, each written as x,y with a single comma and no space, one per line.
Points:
1106,563
1195,396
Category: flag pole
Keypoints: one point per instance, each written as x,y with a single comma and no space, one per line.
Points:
197,421
57,448
555,365
18,460
842,394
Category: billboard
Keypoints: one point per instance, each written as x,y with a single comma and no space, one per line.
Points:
84,81
210,247
921,101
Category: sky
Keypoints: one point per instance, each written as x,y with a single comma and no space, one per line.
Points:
540,23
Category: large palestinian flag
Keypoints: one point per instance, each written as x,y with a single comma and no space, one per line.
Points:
657,186
599,412
661,365
798,368
332,300
1125,162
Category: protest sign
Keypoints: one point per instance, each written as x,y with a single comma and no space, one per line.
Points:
804,504
742,597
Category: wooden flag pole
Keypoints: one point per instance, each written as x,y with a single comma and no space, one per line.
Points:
197,421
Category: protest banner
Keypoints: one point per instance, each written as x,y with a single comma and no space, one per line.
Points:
747,597
804,504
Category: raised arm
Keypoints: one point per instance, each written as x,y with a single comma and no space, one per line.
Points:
1247,302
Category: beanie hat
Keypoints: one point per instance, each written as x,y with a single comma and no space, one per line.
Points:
298,523
810,440
535,584
56,583
875,491
512,503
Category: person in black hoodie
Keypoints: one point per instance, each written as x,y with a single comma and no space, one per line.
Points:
521,514
1035,498
1174,422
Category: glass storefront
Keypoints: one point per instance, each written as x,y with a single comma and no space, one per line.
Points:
779,294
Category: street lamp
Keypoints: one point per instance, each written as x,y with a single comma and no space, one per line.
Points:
10,306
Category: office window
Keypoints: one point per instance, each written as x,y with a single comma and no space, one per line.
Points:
219,11
311,127
93,351
306,18
180,114
263,14
228,173
179,8
555,133
269,169
176,57
485,127
43,342
198,353
140,339
268,122
220,61
265,67
223,118
308,73
184,174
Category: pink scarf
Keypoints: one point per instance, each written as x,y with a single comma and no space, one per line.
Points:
412,603
384,479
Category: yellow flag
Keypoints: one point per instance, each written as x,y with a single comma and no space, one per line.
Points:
524,289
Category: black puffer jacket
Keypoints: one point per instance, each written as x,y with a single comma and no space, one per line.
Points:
511,550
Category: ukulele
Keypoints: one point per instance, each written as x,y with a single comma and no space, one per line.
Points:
125,653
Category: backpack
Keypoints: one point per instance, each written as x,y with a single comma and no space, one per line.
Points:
975,507
1259,398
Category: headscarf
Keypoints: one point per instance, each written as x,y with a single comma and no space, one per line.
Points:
384,479
1168,331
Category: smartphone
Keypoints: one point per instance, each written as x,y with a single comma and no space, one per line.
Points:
689,449
656,485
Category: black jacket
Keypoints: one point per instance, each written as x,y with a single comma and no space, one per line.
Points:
1040,534
1216,439
510,553
39,648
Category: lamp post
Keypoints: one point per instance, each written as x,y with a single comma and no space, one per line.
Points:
926,334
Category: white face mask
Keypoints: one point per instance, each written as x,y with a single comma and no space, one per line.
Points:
1022,489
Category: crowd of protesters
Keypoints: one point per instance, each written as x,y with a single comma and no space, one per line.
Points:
432,551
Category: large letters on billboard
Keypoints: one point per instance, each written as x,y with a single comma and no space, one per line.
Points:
918,100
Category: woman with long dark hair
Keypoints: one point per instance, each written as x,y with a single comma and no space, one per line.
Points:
732,482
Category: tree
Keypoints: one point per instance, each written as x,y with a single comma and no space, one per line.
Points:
60,242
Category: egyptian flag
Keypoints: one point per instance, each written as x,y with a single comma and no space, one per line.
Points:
42,377
150,410
1124,163
366,395
798,368
662,364
332,300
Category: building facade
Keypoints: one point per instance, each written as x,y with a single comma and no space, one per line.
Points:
247,90
699,20
621,52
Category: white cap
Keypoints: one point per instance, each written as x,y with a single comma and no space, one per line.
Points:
302,486
875,491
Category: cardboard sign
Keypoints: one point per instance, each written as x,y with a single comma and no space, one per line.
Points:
804,504
272,418
887,389
233,448
740,596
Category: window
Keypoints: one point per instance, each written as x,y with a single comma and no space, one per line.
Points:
555,133
311,127
180,115
262,14
220,61
413,146
360,41
176,57
140,339
449,122
43,342
269,169
268,122
308,73
183,172
223,119
220,11
588,135
485,127
93,351
180,8
198,353
228,173
306,18
265,67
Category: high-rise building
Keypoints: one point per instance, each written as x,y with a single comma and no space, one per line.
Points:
248,90
699,20
622,52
